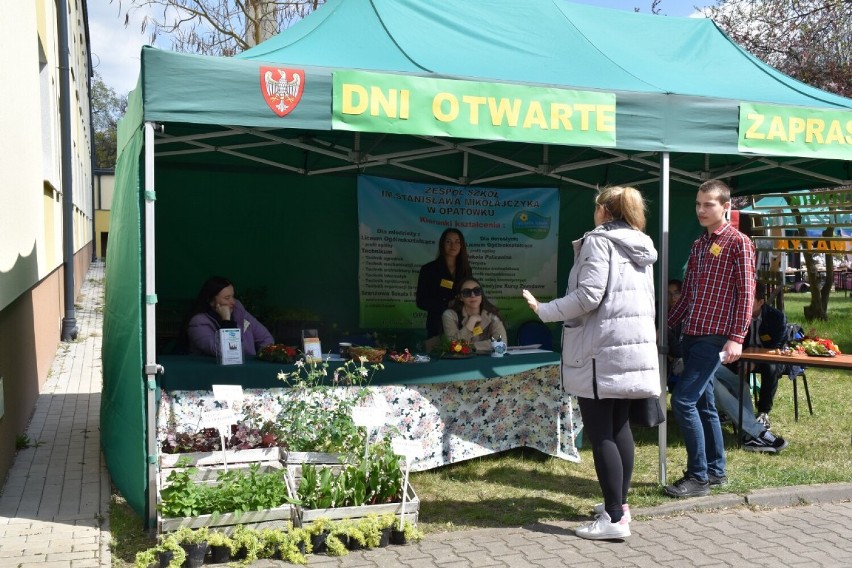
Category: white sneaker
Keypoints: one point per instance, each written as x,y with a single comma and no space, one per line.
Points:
602,528
599,508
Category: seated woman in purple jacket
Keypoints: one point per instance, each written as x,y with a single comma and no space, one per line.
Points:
215,309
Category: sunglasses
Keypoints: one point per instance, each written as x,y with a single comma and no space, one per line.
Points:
470,292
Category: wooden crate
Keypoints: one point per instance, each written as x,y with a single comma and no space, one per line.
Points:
310,457
209,465
279,517
412,511
307,516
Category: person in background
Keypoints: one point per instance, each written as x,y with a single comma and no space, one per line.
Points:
726,388
609,343
715,310
216,308
675,355
437,280
473,318
768,329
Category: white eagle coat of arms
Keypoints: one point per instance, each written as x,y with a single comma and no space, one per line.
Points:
282,88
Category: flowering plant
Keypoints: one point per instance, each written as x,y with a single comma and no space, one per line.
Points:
404,357
279,353
460,346
317,416
447,347
310,374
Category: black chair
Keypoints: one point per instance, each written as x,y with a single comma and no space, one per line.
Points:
535,331
794,333
794,372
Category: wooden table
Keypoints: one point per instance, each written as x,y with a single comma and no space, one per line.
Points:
762,355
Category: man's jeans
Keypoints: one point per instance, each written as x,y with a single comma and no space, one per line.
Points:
694,408
727,393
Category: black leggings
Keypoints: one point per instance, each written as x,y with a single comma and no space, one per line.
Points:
605,425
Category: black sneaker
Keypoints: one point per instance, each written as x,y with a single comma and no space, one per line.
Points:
763,419
767,442
688,486
716,480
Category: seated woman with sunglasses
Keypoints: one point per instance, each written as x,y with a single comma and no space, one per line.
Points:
473,318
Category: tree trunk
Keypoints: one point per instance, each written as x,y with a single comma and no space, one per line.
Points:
818,308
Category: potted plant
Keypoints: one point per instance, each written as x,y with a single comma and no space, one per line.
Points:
194,542
383,524
335,546
291,544
270,539
370,527
301,539
247,545
350,534
146,559
409,533
318,532
170,553
220,547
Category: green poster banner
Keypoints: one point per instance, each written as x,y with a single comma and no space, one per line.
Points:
795,131
404,104
511,234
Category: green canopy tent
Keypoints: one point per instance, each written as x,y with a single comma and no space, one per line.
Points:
236,184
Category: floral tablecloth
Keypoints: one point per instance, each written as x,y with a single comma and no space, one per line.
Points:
454,421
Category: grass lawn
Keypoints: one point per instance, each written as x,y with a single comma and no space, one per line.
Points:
524,486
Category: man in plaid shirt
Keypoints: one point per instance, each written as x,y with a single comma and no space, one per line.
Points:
715,310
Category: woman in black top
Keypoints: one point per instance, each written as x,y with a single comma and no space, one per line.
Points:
437,279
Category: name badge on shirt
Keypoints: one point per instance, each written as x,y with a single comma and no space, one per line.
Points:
446,283
715,249
477,330
765,337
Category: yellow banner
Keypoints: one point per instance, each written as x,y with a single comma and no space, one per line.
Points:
405,104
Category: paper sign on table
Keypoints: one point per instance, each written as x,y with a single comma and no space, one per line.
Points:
228,392
312,349
369,417
219,418
230,347
409,449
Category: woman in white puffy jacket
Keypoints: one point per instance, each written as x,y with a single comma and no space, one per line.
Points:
609,343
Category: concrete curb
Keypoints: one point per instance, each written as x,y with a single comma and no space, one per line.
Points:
771,497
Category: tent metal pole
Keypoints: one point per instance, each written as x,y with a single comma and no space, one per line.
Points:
151,367
663,305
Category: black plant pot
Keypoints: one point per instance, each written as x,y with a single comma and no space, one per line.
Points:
398,537
353,544
385,538
195,554
165,558
301,546
241,554
220,554
318,542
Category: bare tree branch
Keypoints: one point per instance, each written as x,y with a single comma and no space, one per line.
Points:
217,27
